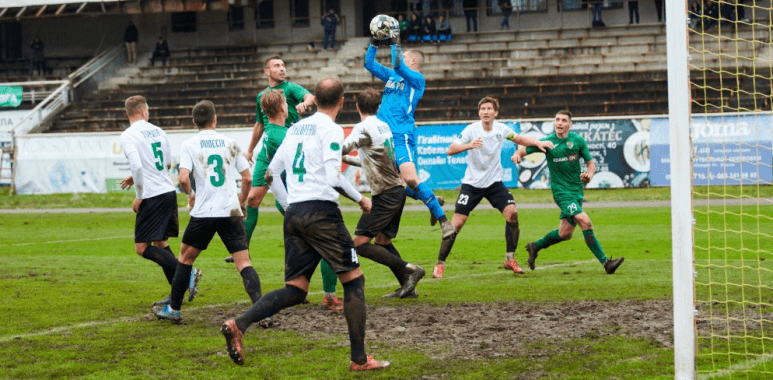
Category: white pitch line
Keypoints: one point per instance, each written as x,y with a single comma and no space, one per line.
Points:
738,367
65,241
137,319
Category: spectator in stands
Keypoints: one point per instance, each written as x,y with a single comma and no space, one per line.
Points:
428,30
633,9
596,10
443,29
403,27
471,13
710,14
130,36
696,13
329,23
659,9
507,9
728,13
38,59
740,11
414,28
161,51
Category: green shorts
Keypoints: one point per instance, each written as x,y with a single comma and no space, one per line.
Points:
570,205
272,138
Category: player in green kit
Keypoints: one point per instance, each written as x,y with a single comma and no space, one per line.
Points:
566,183
298,100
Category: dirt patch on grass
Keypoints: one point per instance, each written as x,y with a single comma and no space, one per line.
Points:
478,331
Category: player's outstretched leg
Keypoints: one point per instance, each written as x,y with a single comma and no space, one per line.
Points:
546,241
329,282
355,313
268,305
407,274
610,265
164,258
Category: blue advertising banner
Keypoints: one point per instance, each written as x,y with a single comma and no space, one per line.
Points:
728,150
440,171
620,148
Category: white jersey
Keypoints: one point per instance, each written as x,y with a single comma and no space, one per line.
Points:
147,148
484,165
216,162
377,153
308,144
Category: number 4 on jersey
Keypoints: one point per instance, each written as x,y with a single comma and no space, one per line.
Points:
298,168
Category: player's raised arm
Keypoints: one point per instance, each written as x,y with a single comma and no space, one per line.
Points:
542,145
378,70
464,143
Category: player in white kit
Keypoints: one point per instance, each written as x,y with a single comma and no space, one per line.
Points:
483,178
147,149
217,207
373,140
313,226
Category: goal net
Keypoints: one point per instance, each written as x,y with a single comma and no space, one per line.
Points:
730,61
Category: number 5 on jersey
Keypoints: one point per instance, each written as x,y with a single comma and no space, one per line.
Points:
298,168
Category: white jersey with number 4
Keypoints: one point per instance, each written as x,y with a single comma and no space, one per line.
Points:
308,144
484,165
216,162
152,147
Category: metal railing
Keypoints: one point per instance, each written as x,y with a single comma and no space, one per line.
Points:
58,99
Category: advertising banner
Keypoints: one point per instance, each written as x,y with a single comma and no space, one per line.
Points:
87,162
620,148
7,120
730,149
10,96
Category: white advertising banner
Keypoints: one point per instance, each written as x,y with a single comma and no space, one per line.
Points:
7,120
87,162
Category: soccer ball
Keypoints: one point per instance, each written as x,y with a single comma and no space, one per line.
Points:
380,26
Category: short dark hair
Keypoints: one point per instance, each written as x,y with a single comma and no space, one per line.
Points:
134,104
565,112
328,92
271,102
416,54
271,58
368,100
489,99
203,113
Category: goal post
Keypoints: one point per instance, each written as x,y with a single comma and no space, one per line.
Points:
681,189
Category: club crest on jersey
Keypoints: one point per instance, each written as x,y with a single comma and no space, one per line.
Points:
335,146
570,144
499,136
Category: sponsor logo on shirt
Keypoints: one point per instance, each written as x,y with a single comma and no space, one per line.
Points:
396,85
569,158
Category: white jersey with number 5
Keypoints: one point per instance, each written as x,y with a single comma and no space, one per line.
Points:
150,144
216,162
308,144
484,164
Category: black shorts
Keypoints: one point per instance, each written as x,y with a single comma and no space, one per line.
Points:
157,219
469,197
200,232
315,230
385,214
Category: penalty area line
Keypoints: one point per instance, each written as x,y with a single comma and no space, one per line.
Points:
138,319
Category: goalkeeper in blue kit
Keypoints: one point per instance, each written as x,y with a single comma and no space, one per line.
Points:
404,88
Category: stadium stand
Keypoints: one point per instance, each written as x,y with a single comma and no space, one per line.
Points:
618,70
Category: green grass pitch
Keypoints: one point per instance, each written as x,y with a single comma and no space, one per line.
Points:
75,301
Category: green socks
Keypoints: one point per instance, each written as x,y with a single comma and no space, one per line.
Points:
551,238
594,246
329,278
251,222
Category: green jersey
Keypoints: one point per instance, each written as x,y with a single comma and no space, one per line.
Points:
564,162
293,94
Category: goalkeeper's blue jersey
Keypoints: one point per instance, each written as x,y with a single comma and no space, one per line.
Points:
403,90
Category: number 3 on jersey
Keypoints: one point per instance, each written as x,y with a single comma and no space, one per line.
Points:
298,168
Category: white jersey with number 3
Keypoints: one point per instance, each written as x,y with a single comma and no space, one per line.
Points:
484,164
308,144
216,162
152,147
